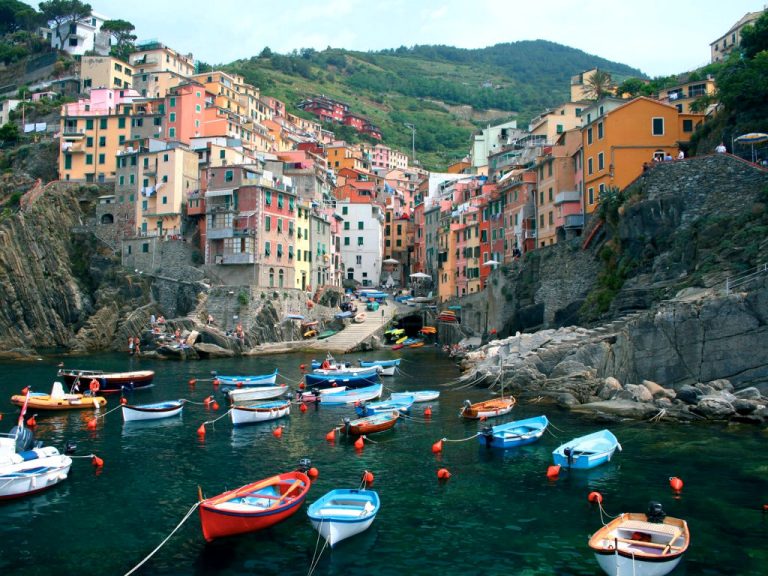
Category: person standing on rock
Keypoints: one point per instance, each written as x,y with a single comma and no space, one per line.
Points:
137,345
130,345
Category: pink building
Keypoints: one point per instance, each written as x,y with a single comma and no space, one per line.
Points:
185,112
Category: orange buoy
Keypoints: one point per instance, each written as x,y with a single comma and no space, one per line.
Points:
428,412
123,401
94,386
368,477
313,472
437,447
239,384
91,424
96,461
443,474
303,407
331,436
31,422
553,472
277,432
359,443
301,385
192,381
25,390
201,430
216,382
302,367
595,497
214,405
676,484
207,401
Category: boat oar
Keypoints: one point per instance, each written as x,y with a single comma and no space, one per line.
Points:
296,484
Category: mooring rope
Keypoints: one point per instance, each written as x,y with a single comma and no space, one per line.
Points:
463,439
186,516
604,513
96,416
316,555
217,419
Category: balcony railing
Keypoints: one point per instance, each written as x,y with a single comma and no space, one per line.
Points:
241,258
567,196
220,233
573,221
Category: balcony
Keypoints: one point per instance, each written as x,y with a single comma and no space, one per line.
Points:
220,233
567,196
228,259
72,147
73,134
573,221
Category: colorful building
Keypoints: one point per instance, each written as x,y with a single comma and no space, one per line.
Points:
185,112
104,72
724,45
684,95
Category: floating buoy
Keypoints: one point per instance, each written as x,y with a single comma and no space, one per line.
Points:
359,443
91,424
123,401
303,407
207,401
302,367
493,330
301,385
216,382
368,477
428,412
239,384
331,436
277,432
437,447
553,472
676,484
201,430
765,507
595,497
192,381
25,390
443,474
483,418
214,405
31,422
313,472
96,461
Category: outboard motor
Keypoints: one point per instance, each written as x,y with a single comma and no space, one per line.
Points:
346,425
304,465
569,455
655,513
70,447
487,433
25,439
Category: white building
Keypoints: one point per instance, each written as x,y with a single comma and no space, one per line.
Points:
362,240
6,107
491,140
82,36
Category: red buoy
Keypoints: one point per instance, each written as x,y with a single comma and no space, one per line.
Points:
214,405
239,384
277,432
553,472
313,472
31,422
303,407
91,424
123,401
443,474
676,484
201,431
765,507
192,381
96,461
25,390
437,447
595,497
368,477
428,412
216,382
359,443
302,366
207,401
301,385
331,436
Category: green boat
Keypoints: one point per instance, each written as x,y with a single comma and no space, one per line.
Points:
326,334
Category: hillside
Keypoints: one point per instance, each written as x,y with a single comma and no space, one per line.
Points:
445,92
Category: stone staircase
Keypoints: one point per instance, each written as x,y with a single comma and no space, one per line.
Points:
354,334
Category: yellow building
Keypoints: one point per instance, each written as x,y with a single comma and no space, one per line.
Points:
342,155
104,72
547,127
724,45
155,57
684,95
620,137
580,85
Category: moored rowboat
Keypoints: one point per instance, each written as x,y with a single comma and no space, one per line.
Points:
109,382
418,395
371,424
512,434
240,381
253,413
587,451
351,396
25,470
342,513
253,507
487,409
136,412
253,393
59,400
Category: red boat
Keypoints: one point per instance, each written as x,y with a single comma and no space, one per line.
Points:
253,507
108,382
370,424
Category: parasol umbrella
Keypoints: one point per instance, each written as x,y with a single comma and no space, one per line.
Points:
390,261
491,263
420,275
752,138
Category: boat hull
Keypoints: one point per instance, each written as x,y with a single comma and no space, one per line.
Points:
65,402
109,382
587,452
613,564
157,411
487,409
351,396
230,382
233,513
253,393
350,381
25,473
371,424
340,514
513,434
255,413
418,396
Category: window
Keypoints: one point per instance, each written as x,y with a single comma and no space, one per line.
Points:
266,248
102,158
172,102
197,108
290,204
268,198
589,166
359,224
89,142
551,218
600,161
279,251
359,240
73,41
344,210
89,124
67,162
165,178
559,128
549,169
279,225
145,247
89,159
346,225
591,195
165,199
359,260
599,130
103,123
222,153
145,182
121,122
102,140
122,180
589,135
658,127
172,132
687,125
229,176
346,240
551,192
280,201
121,139
290,252
173,117
268,223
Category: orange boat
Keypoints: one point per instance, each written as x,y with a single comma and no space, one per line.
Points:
370,424
253,507
487,409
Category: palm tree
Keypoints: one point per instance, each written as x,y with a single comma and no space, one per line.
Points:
598,85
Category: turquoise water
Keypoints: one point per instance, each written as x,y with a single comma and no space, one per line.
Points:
498,513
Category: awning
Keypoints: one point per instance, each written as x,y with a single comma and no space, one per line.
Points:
223,192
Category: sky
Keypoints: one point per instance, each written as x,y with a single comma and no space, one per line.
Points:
659,37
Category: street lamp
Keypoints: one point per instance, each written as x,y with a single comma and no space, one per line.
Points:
413,141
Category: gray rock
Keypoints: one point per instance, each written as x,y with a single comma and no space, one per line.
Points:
721,384
567,400
706,389
689,394
655,390
639,393
750,393
714,408
623,408
205,350
743,406
609,389
571,368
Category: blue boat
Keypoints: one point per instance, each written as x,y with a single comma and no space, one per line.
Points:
241,381
403,404
512,434
349,380
418,395
343,512
346,314
385,363
352,396
587,451
372,306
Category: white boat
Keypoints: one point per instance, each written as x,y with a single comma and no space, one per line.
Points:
253,413
650,544
351,396
136,412
418,395
243,395
26,469
342,513
347,371
245,380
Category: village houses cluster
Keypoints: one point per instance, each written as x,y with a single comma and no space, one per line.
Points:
274,200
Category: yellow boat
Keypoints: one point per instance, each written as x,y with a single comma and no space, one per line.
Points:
59,400
401,340
310,333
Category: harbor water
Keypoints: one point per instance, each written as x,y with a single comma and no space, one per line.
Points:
497,514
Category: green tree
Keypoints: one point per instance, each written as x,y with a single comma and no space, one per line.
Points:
634,87
122,32
754,39
598,85
9,133
15,15
60,12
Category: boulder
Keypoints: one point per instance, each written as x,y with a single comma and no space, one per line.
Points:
655,390
639,393
750,393
721,384
609,389
689,394
623,408
706,389
743,406
714,408
206,350
571,368
567,400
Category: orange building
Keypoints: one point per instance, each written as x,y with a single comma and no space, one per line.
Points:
619,137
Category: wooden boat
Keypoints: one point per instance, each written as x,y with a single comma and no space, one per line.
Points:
512,434
417,344
418,395
326,334
650,544
59,400
342,513
397,347
351,396
587,451
371,424
254,413
25,469
253,507
488,408
359,317
133,413
109,382
240,381
253,393
316,394
401,340
402,404
358,380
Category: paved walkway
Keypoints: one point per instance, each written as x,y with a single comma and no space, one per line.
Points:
350,338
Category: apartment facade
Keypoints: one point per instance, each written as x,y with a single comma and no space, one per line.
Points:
104,72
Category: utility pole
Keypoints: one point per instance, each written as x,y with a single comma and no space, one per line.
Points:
413,141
